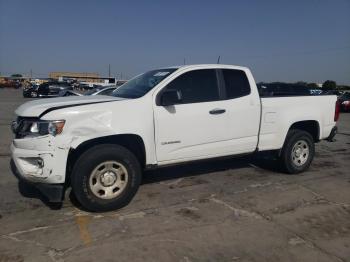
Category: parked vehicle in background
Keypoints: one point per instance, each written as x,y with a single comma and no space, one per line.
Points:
121,82
344,101
332,92
69,93
283,89
30,90
97,91
88,86
106,91
99,145
112,82
51,89
315,91
10,84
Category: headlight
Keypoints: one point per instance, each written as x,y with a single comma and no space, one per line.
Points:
56,127
37,127
346,102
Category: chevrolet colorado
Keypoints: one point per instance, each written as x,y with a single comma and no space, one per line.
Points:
100,145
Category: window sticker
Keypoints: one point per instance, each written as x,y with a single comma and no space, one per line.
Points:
161,74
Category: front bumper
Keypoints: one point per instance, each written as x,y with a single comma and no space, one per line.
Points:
53,192
37,161
40,165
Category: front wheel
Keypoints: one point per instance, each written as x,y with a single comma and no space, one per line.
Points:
106,177
297,152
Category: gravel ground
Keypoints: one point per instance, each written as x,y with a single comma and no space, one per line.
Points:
222,210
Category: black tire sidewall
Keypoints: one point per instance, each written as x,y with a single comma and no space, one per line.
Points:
87,163
286,156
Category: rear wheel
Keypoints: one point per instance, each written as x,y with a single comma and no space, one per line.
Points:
106,177
298,152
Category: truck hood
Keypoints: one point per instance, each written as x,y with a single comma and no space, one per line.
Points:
37,107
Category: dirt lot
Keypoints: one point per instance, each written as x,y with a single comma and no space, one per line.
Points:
222,210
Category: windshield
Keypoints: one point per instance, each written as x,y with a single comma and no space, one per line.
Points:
141,84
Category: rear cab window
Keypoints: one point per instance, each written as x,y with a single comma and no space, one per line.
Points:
236,83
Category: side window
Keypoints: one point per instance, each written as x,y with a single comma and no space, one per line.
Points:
196,86
236,83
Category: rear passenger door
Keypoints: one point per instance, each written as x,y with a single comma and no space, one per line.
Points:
242,111
197,126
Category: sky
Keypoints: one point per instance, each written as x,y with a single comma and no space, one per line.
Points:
306,40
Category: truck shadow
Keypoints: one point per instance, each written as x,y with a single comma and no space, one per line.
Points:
27,190
209,166
167,173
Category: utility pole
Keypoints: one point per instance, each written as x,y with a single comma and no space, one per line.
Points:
109,70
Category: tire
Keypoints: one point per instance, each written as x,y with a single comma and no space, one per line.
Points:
33,94
105,177
298,152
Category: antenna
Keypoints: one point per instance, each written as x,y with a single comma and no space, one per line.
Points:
109,70
184,61
218,62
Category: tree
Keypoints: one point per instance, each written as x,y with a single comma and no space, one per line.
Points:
301,83
16,75
329,85
312,85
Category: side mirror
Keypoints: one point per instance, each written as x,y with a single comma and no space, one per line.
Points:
170,97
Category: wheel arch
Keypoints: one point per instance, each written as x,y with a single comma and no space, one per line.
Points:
310,126
132,142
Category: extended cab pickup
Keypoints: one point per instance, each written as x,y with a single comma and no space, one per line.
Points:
100,145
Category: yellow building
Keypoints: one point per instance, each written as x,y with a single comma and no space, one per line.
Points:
3,79
86,77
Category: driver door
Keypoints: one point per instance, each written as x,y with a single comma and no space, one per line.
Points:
197,126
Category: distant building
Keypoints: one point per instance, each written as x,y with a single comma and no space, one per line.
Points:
86,77
3,79
39,81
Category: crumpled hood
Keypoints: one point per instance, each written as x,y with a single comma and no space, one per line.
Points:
36,107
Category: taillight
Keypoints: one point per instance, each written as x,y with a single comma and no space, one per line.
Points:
337,111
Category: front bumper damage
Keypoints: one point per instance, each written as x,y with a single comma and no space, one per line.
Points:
53,192
41,164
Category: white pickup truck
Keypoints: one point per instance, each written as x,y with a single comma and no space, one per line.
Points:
100,145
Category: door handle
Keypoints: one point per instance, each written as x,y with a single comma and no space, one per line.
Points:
217,111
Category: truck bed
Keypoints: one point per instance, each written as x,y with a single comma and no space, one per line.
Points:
278,113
